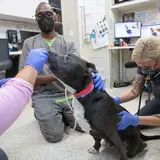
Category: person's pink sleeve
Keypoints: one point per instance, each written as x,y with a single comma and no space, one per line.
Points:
14,96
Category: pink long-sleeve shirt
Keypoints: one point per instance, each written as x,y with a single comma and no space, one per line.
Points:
14,96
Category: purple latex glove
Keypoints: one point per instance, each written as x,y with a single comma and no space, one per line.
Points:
3,81
98,81
117,99
37,58
127,120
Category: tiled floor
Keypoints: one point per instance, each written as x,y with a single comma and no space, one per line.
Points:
23,141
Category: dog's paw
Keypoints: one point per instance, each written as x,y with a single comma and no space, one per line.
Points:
92,150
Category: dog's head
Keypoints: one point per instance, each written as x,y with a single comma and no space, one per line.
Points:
71,70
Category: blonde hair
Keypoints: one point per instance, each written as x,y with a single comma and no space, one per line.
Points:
147,48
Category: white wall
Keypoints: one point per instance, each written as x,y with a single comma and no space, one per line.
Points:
70,20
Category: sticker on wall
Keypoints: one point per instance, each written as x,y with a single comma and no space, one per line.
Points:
92,35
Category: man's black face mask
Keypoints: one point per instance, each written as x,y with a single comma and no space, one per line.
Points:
45,21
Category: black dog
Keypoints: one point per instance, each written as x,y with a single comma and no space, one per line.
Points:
100,110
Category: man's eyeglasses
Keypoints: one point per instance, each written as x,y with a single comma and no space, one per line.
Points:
46,14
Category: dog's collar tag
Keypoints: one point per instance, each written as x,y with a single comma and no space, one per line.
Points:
86,91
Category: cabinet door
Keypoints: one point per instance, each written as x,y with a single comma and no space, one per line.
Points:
18,8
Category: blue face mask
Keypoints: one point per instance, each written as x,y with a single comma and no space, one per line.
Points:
150,71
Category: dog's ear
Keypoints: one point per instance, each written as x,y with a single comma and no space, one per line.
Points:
91,67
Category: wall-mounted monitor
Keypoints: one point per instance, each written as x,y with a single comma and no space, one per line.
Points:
127,30
150,30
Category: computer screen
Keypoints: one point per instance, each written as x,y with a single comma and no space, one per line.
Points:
150,30
27,34
127,30
4,52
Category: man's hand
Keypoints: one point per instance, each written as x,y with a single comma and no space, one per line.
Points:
127,120
98,81
4,81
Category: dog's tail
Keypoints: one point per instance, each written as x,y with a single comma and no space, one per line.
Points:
147,138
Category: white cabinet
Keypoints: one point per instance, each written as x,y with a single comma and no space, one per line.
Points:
39,1
132,5
18,8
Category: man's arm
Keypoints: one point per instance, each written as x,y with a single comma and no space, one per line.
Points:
13,98
136,89
41,79
73,49
45,79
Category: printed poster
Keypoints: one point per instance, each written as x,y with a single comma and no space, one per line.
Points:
95,23
149,17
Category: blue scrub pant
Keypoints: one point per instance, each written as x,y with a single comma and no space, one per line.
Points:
3,155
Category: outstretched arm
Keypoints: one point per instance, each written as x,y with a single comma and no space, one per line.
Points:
15,94
13,97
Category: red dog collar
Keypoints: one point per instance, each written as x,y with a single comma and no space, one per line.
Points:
86,91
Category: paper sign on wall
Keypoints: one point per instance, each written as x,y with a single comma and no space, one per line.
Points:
148,17
95,23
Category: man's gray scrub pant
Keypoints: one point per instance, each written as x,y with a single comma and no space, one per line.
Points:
52,117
